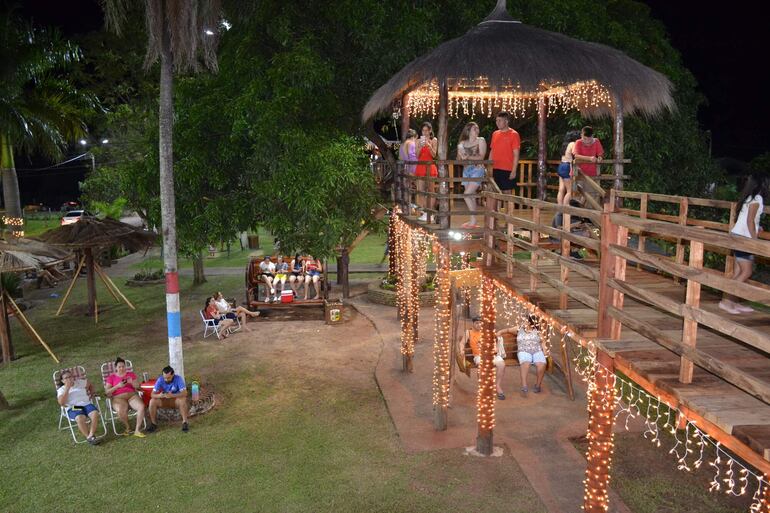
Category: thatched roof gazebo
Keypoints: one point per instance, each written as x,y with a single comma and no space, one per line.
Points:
503,64
88,234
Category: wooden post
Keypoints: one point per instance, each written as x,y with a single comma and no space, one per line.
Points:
405,115
620,275
690,330
683,207
730,259
609,235
5,333
407,332
27,326
443,147
534,238
565,252
442,342
110,284
509,244
490,206
487,389
601,419
618,149
642,215
542,179
90,281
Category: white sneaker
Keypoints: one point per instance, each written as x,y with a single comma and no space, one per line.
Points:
276,299
729,309
267,299
423,217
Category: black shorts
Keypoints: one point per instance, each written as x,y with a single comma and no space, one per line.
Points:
503,180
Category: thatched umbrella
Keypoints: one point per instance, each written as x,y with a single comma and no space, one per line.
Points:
504,64
88,234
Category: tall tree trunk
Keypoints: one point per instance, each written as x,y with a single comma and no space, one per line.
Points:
199,277
11,199
167,210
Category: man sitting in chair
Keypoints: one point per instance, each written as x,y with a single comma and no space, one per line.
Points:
75,395
170,392
473,337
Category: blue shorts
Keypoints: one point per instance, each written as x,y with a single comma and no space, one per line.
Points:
742,255
86,410
314,273
563,170
525,357
231,315
473,172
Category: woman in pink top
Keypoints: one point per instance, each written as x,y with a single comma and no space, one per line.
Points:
122,386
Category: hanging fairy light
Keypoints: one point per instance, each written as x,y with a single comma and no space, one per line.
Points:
15,224
443,320
467,97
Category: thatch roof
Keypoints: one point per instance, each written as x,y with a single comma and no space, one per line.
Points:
91,233
27,254
508,53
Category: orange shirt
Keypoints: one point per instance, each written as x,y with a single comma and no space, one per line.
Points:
503,145
474,338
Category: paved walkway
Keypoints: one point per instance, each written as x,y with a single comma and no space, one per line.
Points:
537,430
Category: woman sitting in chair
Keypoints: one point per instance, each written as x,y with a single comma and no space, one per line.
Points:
122,386
227,311
75,395
313,270
473,338
530,350
210,311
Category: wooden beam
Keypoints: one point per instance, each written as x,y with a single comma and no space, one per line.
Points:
90,281
690,329
553,232
726,326
72,284
25,323
609,236
733,375
5,333
593,215
618,150
443,149
714,280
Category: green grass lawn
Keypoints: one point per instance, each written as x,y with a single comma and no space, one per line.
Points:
37,226
287,435
369,251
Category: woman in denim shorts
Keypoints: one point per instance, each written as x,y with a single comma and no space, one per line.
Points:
471,147
565,168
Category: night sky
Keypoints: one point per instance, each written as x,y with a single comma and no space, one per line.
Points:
725,48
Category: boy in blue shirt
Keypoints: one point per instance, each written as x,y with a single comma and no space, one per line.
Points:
170,391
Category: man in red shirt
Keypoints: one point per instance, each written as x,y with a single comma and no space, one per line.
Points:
504,153
588,151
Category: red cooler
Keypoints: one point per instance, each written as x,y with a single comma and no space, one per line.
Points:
146,388
287,296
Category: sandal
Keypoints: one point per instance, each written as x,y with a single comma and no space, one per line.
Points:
524,391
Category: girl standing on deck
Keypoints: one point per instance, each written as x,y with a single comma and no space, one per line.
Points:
471,147
565,168
751,203
428,146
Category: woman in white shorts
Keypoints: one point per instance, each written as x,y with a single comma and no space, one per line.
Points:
530,351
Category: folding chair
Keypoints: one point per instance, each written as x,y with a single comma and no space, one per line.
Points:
107,369
78,373
209,326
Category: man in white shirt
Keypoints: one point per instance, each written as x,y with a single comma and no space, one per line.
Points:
75,395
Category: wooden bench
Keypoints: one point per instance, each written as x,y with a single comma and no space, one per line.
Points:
464,355
254,281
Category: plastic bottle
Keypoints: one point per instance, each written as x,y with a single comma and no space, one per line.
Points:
195,391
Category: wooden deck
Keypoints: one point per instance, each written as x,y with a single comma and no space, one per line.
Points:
725,406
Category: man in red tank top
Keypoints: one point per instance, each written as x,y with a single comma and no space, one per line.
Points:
588,151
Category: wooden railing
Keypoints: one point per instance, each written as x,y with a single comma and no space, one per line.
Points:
506,233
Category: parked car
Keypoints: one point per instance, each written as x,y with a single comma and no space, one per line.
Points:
74,216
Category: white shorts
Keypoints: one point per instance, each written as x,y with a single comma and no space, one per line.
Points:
495,360
525,357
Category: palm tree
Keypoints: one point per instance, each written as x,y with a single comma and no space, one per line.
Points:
180,34
39,111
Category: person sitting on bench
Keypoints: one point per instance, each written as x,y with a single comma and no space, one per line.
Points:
530,350
473,338
281,275
268,274
170,392
313,270
225,309
296,278
75,395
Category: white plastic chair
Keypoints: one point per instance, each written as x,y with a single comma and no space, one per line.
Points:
107,369
78,373
209,326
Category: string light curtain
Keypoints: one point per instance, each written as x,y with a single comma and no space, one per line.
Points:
486,395
441,340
